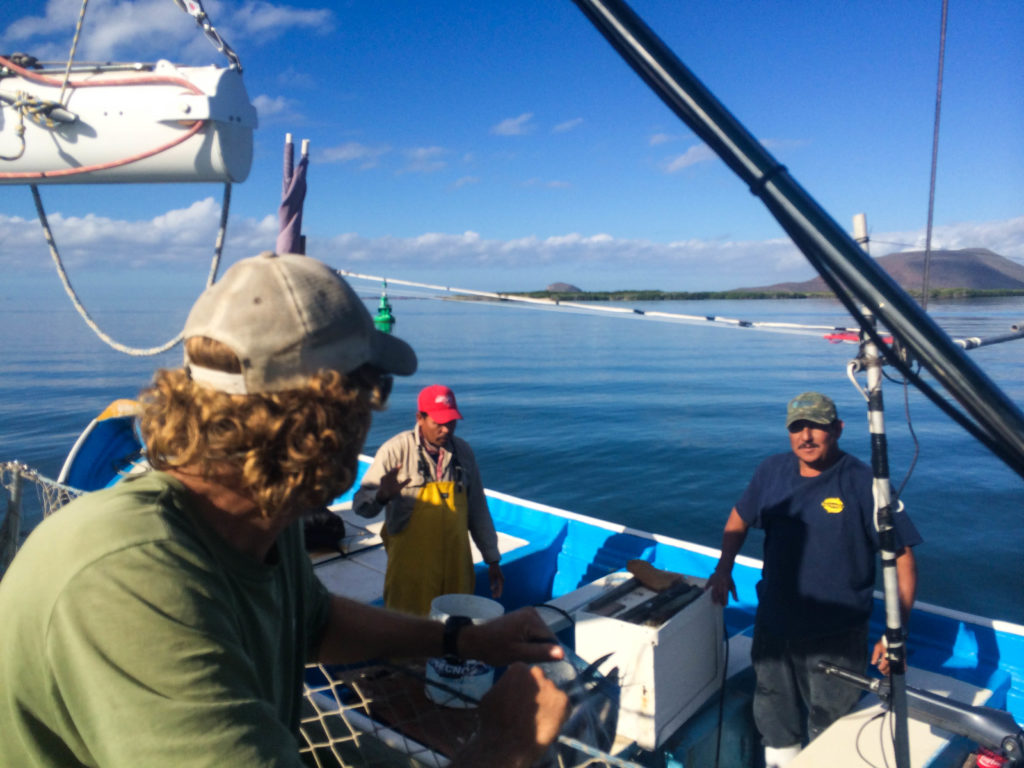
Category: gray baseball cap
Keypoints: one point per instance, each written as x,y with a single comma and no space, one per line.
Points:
287,317
813,407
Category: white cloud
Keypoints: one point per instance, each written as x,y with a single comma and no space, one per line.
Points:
180,236
695,155
266,20
783,145
465,181
425,159
597,261
568,125
514,126
150,29
291,78
550,184
659,138
354,152
268,106
1003,237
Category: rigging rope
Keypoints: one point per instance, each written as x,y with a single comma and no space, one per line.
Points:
39,111
109,341
71,53
25,104
194,8
935,156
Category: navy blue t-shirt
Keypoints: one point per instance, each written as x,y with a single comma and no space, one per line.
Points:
819,545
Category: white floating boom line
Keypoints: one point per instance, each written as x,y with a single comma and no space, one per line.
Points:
672,317
833,333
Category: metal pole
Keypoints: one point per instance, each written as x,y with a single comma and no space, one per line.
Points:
974,342
896,651
870,360
11,528
998,422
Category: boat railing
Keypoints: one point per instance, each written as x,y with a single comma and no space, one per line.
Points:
47,497
367,715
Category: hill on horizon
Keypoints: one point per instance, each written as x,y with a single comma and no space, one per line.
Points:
977,269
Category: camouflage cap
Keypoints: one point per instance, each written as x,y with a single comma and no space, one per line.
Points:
813,407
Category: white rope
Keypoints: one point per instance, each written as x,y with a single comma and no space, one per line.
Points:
66,281
676,317
71,53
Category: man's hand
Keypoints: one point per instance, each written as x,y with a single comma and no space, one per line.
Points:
518,636
720,582
497,580
721,585
519,719
879,656
390,485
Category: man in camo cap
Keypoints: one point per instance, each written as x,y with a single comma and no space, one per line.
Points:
816,506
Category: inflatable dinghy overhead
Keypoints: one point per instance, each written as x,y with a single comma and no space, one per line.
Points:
123,123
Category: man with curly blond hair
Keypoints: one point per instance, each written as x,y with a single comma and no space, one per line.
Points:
167,620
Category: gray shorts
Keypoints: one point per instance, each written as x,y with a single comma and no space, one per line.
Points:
794,699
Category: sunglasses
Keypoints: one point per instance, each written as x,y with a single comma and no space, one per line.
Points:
375,381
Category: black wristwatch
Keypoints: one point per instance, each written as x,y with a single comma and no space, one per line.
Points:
452,627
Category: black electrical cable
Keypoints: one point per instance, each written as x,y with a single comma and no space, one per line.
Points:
721,691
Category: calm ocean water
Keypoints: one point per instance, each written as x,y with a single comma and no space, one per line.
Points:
654,425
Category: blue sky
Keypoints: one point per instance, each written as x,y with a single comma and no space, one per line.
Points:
505,146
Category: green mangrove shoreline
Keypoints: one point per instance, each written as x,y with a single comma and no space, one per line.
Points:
653,295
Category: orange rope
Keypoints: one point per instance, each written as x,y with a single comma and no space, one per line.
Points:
145,80
104,166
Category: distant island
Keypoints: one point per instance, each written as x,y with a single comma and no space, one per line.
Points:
965,273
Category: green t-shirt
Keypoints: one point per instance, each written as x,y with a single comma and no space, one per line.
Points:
131,634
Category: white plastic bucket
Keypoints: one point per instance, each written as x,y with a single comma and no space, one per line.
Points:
469,677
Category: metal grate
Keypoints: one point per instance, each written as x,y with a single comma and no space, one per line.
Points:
380,715
370,716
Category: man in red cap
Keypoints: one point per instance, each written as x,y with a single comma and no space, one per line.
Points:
428,483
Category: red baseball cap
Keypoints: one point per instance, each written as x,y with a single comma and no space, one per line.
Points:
438,402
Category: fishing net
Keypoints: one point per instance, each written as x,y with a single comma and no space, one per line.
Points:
49,495
380,715
27,494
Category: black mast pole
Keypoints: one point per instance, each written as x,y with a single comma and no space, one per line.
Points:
998,422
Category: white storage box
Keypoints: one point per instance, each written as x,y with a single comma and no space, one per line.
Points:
667,671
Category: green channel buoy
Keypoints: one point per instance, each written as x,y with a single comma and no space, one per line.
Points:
384,319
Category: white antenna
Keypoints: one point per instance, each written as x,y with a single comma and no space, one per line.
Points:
860,231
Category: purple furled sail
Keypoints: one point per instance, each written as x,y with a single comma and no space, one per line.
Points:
293,193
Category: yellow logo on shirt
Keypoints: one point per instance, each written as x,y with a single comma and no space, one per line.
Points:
833,505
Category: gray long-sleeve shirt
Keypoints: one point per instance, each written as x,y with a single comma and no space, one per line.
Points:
404,449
